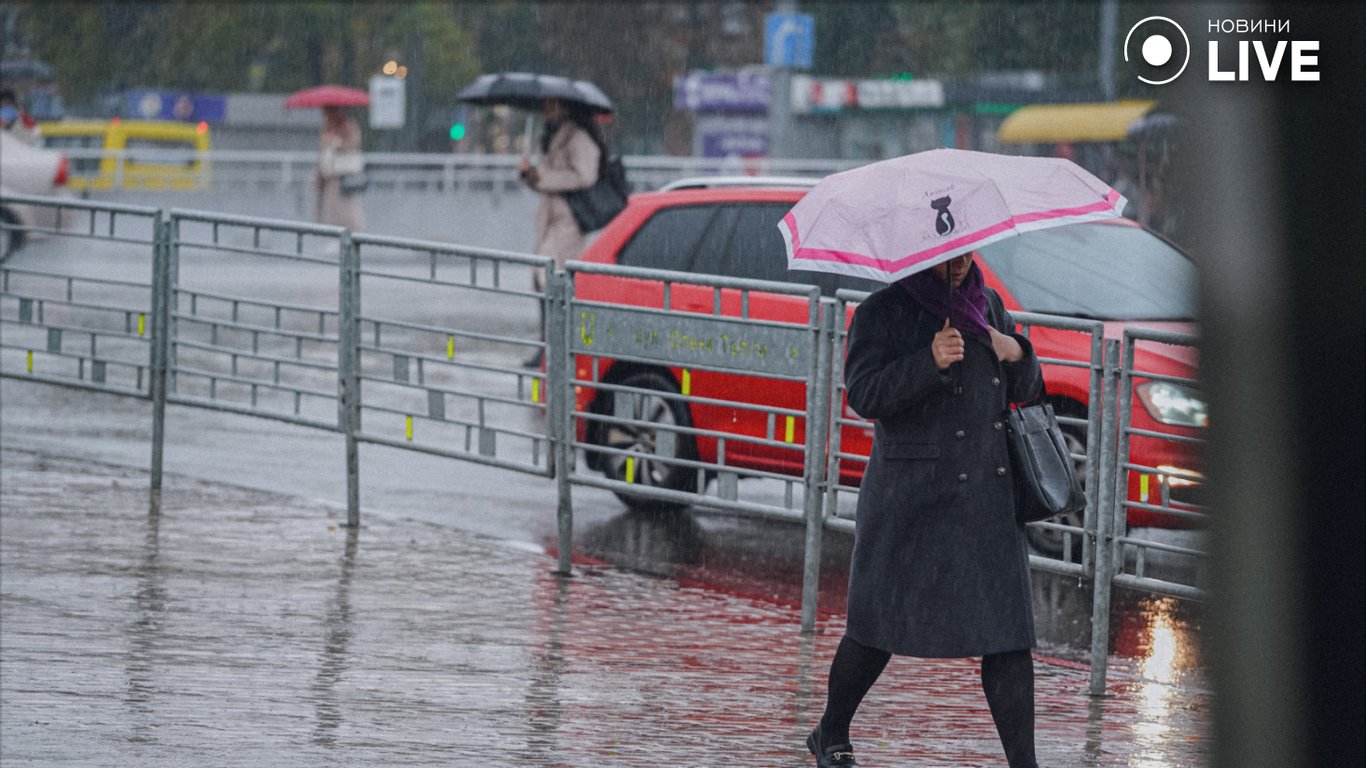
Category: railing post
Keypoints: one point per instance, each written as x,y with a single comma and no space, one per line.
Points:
1095,450
836,414
1104,521
559,288
817,433
348,364
161,314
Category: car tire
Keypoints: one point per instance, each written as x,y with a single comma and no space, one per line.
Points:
10,239
1047,542
642,441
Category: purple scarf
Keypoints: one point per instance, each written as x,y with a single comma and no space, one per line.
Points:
969,299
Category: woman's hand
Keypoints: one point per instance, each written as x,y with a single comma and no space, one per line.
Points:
947,346
528,173
1007,348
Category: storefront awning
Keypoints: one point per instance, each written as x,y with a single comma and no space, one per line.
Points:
1053,123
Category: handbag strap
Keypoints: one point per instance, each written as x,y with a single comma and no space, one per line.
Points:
997,311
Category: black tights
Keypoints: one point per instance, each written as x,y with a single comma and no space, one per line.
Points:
1007,680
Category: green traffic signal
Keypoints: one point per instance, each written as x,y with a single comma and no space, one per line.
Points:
457,131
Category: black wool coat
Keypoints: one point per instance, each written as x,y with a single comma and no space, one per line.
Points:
940,567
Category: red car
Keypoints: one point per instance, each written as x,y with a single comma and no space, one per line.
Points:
1115,271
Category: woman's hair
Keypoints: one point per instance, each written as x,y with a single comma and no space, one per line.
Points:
585,118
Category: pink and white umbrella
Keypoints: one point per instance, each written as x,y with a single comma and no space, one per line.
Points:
893,218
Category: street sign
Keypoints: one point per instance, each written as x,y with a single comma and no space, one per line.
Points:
387,102
789,39
171,105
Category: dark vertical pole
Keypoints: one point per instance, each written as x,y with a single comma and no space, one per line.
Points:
161,298
559,289
1109,12
1275,219
348,374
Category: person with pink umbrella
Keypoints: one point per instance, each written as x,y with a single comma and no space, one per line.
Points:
940,567
339,156
340,160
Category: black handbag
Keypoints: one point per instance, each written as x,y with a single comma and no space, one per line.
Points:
1046,482
593,207
354,183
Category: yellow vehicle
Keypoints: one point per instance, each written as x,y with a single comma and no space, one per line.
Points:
131,154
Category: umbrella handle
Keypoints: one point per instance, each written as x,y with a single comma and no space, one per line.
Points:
528,136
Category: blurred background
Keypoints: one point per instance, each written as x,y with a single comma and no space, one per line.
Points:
855,81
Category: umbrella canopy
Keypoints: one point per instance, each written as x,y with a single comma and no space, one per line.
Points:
525,90
328,96
896,217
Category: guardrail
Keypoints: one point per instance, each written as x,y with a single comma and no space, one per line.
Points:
190,307
425,171
1168,491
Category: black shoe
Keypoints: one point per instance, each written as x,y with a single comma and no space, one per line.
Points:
833,756
535,360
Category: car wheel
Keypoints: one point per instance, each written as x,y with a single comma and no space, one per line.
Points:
650,442
10,239
1049,542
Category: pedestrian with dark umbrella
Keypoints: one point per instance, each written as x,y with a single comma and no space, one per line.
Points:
940,567
571,147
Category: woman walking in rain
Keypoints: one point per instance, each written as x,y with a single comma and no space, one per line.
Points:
571,145
940,568
339,151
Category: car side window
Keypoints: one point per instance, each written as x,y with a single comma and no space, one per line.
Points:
710,258
669,239
756,251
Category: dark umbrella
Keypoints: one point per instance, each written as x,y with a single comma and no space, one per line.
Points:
525,90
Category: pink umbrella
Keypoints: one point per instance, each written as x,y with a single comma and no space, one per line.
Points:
896,217
328,96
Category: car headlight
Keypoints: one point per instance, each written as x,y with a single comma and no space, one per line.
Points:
1174,404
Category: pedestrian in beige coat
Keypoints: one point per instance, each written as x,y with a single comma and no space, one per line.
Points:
339,146
571,147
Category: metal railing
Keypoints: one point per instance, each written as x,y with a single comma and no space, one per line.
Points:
424,172
671,387
1168,491
443,382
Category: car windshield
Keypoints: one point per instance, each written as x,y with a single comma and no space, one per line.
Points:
1096,270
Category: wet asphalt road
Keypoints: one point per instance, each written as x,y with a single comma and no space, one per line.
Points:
243,627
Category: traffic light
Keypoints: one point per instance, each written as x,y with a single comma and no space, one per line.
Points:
458,124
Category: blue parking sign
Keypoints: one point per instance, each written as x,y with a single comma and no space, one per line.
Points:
789,39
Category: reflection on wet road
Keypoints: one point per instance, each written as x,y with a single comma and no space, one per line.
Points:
1156,637
248,628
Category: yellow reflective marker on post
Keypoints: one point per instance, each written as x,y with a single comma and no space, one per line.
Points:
142,323
30,361
450,347
630,469
409,427
687,381
791,428
535,390
1143,488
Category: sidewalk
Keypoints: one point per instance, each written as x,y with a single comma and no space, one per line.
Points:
243,628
